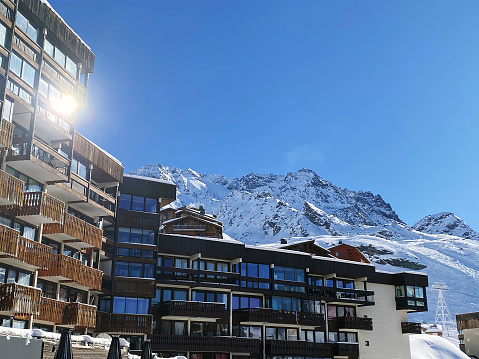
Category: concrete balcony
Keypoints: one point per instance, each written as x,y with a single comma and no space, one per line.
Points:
70,270
6,133
38,208
124,323
11,190
75,232
39,161
17,299
22,252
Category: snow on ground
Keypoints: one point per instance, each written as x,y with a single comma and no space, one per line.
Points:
425,346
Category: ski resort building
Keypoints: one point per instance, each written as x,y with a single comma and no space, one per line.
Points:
85,247
468,333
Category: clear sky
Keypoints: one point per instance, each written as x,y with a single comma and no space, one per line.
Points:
372,95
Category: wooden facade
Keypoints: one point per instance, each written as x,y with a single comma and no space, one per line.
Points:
11,190
191,222
6,133
347,252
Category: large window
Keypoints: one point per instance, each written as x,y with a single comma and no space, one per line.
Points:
208,329
247,331
171,327
288,273
3,35
134,235
64,61
286,303
246,301
22,69
136,203
281,333
165,295
14,275
134,252
79,167
206,296
127,305
30,185
24,24
313,336
340,311
132,269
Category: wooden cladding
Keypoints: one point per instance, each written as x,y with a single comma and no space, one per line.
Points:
19,299
269,315
355,323
182,308
11,189
181,343
62,313
139,287
76,228
410,327
74,270
124,323
98,157
6,133
39,204
23,249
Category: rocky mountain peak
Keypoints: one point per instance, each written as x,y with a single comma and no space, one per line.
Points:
446,223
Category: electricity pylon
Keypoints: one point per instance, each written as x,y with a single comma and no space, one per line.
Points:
443,316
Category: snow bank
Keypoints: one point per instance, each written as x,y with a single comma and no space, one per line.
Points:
425,346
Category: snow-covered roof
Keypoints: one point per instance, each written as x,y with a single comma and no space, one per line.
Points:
148,179
228,239
102,150
290,243
202,219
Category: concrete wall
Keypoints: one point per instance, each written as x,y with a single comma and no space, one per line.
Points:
17,348
386,339
471,341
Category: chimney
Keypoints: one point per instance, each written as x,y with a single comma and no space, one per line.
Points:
202,210
284,241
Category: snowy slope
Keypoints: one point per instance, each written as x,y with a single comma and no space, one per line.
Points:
425,346
446,223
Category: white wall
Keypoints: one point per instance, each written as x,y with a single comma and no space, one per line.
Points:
386,339
471,341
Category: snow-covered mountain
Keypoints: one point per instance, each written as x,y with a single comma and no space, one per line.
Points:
446,223
261,209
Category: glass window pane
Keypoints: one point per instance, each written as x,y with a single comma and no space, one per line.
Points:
12,275
287,304
279,273
277,303
255,332
119,305
281,332
130,305
180,328
135,270
135,236
59,57
125,201
71,67
263,271
53,94
3,35
24,278
123,235
181,294
16,65
32,32
82,172
122,251
418,292
142,306
22,22
28,74
149,271
3,272
148,236
252,270
331,311
137,203
254,303
166,295
270,333
48,47
289,273
150,205
121,269
319,337
235,298
410,291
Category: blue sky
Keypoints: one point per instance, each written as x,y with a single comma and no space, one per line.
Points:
372,95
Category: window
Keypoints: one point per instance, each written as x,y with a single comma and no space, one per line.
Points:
133,235
208,329
132,269
22,69
134,252
335,311
212,297
313,336
127,305
13,275
136,203
79,167
247,331
165,295
48,289
3,35
286,303
282,333
24,24
243,302
7,109
170,327
313,306
289,274
63,60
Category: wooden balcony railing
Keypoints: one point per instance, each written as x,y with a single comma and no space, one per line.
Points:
411,328
51,310
355,323
190,227
80,315
6,133
124,323
75,229
181,343
11,190
74,270
42,206
23,249
183,308
298,347
19,299
346,350
269,315
139,287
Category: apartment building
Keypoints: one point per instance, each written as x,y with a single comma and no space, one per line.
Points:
81,245
57,189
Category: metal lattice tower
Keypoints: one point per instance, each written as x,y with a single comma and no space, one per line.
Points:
443,316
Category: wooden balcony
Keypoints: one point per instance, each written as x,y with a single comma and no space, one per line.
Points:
74,231
124,323
182,343
21,251
355,323
38,208
68,269
6,133
350,351
138,287
38,161
298,348
410,328
268,315
183,308
17,299
78,315
11,190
